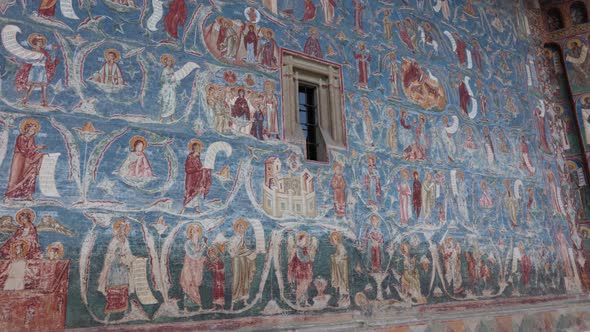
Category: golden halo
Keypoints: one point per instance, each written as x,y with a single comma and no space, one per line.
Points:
269,84
301,235
192,228
212,250
240,222
336,237
58,247
405,173
337,164
571,43
120,223
35,36
26,122
166,56
133,141
272,33
28,211
13,246
114,51
193,142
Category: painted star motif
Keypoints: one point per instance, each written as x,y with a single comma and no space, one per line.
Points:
132,73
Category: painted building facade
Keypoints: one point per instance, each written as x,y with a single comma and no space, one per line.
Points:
146,153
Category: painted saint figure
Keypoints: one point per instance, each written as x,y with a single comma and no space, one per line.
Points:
251,42
271,106
405,193
485,201
511,204
27,233
167,94
373,242
372,180
339,264
110,73
136,169
39,73
338,184
241,111
217,268
312,44
428,195
114,278
363,58
26,162
328,7
451,252
416,194
410,281
269,47
197,180
359,8
243,263
191,275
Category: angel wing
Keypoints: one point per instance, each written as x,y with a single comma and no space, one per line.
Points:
454,127
9,41
291,248
313,247
517,187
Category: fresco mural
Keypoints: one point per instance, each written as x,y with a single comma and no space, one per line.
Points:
143,148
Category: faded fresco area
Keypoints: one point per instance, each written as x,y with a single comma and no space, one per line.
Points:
147,177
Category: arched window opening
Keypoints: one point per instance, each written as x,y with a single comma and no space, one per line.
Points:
578,13
554,19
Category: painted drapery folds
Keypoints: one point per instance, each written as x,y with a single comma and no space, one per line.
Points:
144,142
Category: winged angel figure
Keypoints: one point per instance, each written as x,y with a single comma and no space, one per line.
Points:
301,252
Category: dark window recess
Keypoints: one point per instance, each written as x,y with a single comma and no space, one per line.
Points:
308,119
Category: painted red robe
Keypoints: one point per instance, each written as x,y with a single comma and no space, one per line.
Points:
309,10
338,184
464,98
28,234
417,197
461,51
176,16
218,272
47,8
363,68
26,163
197,180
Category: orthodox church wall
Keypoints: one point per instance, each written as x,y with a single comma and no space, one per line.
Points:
144,152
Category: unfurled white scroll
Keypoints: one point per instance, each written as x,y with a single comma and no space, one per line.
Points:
469,59
140,283
47,175
581,177
9,41
67,9
528,75
184,71
157,12
212,152
259,235
586,120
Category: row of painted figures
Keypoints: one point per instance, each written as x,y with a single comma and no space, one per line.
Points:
540,264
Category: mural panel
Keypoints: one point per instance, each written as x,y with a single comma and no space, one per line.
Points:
143,140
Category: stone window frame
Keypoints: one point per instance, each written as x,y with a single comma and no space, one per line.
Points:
299,68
